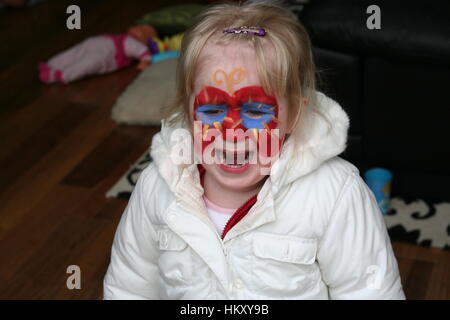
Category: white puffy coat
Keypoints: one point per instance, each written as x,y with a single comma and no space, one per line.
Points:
315,232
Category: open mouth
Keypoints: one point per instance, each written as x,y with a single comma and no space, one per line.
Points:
234,159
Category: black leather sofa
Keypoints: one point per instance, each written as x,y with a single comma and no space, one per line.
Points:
393,82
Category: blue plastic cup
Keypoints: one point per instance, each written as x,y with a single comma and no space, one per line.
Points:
379,181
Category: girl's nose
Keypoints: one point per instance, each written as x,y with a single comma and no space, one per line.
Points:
235,135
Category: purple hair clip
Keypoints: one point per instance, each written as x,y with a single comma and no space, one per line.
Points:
257,31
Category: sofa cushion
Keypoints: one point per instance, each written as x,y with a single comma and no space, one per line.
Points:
406,115
339,76
409,28
171,20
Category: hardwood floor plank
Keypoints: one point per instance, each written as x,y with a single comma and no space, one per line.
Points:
417,252
43,140
416,284
404,267
82,240
438,285
56,164
57,208
21,124
94,260
47,272
30,233
105,157
106,89
52,168
43,22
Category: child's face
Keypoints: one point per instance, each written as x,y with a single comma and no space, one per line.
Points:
229,99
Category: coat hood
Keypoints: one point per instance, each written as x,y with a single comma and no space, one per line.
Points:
320,136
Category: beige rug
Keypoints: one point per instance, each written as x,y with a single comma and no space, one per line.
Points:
143,102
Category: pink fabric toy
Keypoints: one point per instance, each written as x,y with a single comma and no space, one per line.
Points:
95,55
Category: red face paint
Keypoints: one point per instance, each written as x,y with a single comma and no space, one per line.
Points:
249,112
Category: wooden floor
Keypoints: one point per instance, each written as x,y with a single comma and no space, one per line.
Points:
61,152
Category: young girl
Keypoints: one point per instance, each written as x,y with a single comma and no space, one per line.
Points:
303,225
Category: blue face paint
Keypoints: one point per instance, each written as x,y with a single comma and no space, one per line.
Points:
255,114
209,114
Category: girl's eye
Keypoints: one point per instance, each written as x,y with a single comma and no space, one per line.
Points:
214,112
254,114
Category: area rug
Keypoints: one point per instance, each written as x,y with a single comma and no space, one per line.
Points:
415,221
144,101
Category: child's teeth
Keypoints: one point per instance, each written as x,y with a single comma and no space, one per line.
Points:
232,158
234,165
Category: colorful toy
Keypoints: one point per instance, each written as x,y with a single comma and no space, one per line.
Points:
99,55
157,45
165,55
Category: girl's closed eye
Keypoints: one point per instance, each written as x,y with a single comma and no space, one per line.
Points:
255,114
213,112
257,111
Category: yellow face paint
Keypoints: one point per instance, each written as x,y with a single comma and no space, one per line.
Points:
205,131
236,124
266,127
229,80
255,133
218,126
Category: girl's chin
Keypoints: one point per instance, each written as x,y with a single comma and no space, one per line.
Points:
238,178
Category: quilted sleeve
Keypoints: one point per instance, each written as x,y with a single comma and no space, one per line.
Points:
133,271
355,253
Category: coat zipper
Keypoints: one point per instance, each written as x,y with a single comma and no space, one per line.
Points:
238,214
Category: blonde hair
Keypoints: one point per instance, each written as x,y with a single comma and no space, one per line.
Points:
291,75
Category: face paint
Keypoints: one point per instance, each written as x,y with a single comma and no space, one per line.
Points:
249,109
234,77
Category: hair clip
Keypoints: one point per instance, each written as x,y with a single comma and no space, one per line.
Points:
257,31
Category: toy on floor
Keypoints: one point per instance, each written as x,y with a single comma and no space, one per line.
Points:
157,45
99,55
168,48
